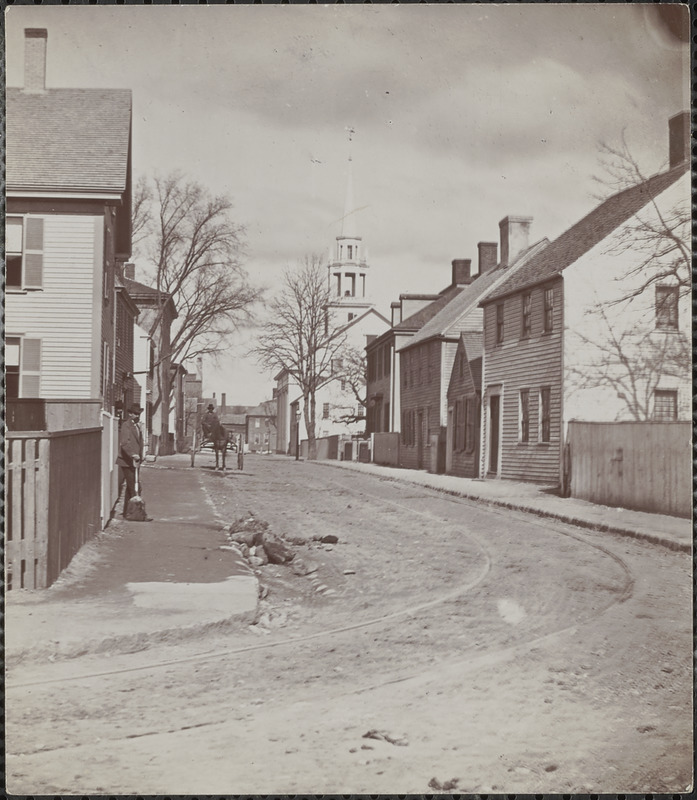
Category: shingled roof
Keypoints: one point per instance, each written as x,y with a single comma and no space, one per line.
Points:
68,140
585,234
449,321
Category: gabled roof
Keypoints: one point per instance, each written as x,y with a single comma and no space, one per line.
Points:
265,409
588,232
451,316
471,344
68,140
140,292
233,419
417,320
366,313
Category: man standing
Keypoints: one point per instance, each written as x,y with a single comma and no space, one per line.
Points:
130,452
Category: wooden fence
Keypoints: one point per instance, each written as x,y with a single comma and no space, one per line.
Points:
52,501
645,466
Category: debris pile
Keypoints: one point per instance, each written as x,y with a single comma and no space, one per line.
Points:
257,543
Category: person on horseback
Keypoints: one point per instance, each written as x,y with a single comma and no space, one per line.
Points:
210,422
214,432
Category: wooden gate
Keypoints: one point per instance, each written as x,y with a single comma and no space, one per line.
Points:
52,501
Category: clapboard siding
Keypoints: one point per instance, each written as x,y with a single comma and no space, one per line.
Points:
62,313
526,363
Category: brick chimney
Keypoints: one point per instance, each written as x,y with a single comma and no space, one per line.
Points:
129,270
462,269
515,237
35,59
222,403
396,309
679,138
488,256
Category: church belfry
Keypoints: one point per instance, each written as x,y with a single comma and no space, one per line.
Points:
348,267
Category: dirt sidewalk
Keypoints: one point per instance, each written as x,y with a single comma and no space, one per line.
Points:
138,581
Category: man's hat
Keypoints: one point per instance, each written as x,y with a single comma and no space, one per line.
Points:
135,409
211,407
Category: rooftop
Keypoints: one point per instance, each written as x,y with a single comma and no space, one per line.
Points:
68,140
586,233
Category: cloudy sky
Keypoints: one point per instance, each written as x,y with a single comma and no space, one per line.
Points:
463,114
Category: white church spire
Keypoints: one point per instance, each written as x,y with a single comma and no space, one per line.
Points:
347,266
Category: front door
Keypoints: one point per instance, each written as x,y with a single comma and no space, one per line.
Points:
494,432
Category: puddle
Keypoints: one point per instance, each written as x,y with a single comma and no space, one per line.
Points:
510,611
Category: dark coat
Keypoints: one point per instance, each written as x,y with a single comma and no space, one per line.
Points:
130,444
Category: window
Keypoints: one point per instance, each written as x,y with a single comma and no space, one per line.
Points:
499,323
527,316
24,244
667,307
549,310
524,416
325,411
459,424
22,367
470,422
350,316
12,345
545,414
337,365
665,405
350,251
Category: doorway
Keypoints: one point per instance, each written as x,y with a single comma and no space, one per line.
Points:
494,433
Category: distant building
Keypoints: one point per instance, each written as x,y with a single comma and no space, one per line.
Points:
261,433
156,312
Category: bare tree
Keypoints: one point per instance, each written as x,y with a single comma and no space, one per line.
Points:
352,371
194,251
300,335
658,236
631,362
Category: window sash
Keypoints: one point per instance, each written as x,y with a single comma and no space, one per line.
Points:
524,432
667,307
545,414
527,316
499,323
665,405
548,310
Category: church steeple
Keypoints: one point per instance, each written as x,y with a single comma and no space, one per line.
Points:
348,267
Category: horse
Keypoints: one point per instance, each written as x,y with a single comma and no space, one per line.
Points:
217,435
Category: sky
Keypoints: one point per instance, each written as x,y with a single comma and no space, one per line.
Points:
463,114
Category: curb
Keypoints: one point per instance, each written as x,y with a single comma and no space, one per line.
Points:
126,643
670,544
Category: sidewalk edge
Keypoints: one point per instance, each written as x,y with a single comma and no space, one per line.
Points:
569,519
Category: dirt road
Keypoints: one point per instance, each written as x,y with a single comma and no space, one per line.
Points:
438,645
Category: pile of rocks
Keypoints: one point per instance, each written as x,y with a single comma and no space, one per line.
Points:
257,543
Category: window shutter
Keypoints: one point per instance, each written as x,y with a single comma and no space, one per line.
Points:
30,368
33,252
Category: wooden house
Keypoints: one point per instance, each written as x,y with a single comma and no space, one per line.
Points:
68,227
427,358
570,335
464,407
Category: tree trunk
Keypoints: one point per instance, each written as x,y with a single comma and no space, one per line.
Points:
310,426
